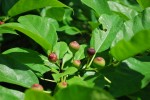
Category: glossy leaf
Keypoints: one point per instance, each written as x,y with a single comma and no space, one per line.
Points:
125,33
60,49
70,30
100,6
30,58
128,77
67,56
68,71
96,80
124,11
14,72
125,49
36,95
80,54
77,81
102,40
40,25
55,13
123,80
141,67
39,29
142,21
20,7
77,92
144,3
7,30
9,94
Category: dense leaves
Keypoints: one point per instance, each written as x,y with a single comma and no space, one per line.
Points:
102,40
14,72
121,50
35,94
87,93
19,7
108,59
100,6
32,26
9,94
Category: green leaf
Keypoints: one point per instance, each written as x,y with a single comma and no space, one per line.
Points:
70,30
54,12
77,92
138,43
14,72
40,25
7,30
122,79
96,80
123,11
22,6
68,71
100,6
9,94
77,81
102,40
67,56
60,49
142,21
31,94
141,67
80,54
144,3
39,29
28,57
125,33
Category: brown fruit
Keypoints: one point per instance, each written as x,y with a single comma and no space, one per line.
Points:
91,51
52,57
99,61
37,87
1,22
76,63
62,85
74,45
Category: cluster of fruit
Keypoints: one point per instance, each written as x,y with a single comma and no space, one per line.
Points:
74,46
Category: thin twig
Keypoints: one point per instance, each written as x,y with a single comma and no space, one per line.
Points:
48,80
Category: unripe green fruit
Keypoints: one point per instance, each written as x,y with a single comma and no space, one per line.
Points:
62,85
52,57
37,87
91,51
99,61
76,63
74,45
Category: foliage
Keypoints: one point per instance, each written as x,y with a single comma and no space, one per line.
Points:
115,31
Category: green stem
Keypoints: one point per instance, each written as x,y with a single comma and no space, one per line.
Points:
91,61
48,80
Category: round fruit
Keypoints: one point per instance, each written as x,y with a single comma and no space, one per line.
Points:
52,57
1,22
76,63
91,51
74,45
37,87
99,61
62,85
